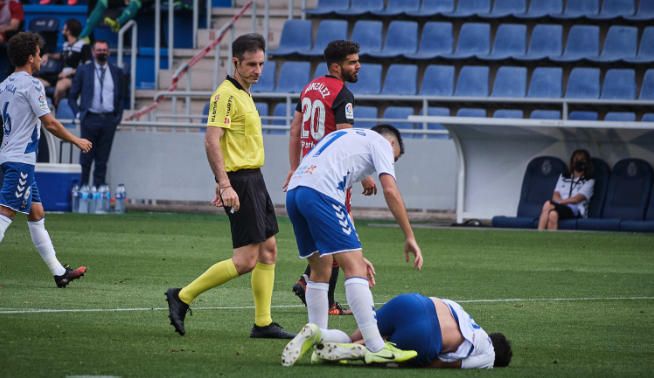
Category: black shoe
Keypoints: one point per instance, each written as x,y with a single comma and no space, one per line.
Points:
271,331
70,275
176,310
299,290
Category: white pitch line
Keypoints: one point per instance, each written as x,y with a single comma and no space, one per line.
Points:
14,311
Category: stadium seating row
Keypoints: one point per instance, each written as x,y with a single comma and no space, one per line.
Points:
473,81
437,41
521,9
623,197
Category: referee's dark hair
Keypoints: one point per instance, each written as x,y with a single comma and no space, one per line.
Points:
21,46
251,42
385,129
337,51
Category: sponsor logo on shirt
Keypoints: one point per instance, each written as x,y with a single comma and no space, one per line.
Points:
349,111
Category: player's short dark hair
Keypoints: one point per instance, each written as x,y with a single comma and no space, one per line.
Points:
337,51
385,129
251,42
74,27
21,46
503,352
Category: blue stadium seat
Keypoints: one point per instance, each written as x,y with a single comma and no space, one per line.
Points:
510,41
619,84
401,80
436,39
620,116
431,8
474,40
472,82
262,109
537,187
505,8
205,113
577,9
621,42
369,81
328,7
362,7
510,82
601,174
48,28
583,115
471,112
628,191
280,111
583,42
328,30
438,80
365,112
395,114
646,225
613,9
545,114
648,117
65,114
368,34
646,49
295,39
508,113
398,7
645,11
266,82
546,41
401,38
647,87
293,76
583,83
465,9
542,9
546,82
439,112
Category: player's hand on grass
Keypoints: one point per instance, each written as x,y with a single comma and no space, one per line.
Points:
411,246
288,179
369,186
84,144
226,197
370,272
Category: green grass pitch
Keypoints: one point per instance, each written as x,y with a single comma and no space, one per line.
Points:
573,303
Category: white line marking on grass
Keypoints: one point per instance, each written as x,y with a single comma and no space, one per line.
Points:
14,311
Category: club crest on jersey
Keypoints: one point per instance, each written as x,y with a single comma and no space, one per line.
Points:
349,111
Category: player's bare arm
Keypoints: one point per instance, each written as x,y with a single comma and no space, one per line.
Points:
294,147
57,129
225,194
396,206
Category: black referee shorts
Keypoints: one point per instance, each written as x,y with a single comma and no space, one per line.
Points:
255,221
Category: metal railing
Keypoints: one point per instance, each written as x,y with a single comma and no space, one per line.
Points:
133,52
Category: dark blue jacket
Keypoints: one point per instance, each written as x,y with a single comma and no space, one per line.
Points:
83,84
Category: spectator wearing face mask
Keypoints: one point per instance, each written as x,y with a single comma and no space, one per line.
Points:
100,87
572,193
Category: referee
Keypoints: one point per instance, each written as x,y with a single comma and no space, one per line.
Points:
234,146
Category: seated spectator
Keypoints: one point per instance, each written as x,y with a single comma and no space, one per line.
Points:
74,52
572,193
11,20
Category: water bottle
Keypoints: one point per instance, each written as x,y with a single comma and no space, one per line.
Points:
75,198
84,195
106,201
121,195
92,199
99,199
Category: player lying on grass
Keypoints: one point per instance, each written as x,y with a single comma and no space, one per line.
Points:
442,333
324,232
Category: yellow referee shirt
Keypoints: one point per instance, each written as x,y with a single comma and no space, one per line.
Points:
232,108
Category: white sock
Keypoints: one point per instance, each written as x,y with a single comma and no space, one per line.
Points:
43,244
359,297
4,225
317,303
334,336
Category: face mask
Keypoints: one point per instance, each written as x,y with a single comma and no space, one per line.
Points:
580,165
101,58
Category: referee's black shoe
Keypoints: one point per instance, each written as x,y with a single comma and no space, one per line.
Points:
271,331
176,310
